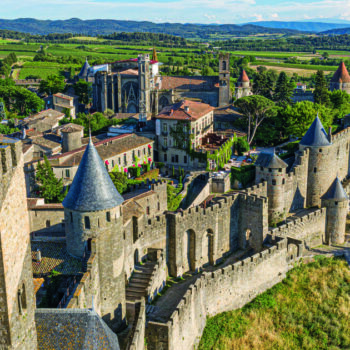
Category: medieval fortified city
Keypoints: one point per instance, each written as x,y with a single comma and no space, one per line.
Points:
169,185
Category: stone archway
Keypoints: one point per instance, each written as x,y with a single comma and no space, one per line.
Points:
189,250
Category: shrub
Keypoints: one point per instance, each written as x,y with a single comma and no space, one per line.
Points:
134,171
242,145
245,174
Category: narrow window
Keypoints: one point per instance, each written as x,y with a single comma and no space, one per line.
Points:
320,150
283,181
280,170
273,182
87,222
67,173
315,170
71,217
147,210
108,216
158,206
185,159
270,170
165,157
261,168
48,224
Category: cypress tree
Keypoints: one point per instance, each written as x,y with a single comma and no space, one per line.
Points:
284,90
321,95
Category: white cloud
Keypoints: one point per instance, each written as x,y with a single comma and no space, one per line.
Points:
225,11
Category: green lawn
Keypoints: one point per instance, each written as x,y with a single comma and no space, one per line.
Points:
310,309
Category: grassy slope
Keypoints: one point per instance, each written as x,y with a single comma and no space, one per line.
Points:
310,309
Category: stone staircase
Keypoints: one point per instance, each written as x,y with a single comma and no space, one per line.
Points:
139,281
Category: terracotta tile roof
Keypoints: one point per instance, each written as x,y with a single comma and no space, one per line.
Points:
38,282
120,145
54,257
178,111
243,78
129,72
189,83
66,97
341,75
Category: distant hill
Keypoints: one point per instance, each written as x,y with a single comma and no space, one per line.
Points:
314,27
339,31
102,27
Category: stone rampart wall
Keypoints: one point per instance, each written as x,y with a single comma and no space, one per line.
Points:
309,228
87,288
138,339
158,278
225,289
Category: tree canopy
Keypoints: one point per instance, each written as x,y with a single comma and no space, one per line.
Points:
255,108
83,90
52,85
49,187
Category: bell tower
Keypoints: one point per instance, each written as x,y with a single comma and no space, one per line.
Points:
224,80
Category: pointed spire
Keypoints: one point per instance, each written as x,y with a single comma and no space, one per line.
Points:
341,75
270,160
84,70
316,135
243,78
336,192
92,188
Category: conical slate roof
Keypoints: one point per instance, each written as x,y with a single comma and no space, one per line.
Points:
85,69
270,160
316,135
92,188
341,75
336,191
243,78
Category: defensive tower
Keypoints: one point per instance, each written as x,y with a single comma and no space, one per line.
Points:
336,201
340,79
320,158
272,169
144,83
93,226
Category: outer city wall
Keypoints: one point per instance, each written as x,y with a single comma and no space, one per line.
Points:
225,289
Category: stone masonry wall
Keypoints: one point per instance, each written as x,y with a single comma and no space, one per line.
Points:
225,289
310,228
17,328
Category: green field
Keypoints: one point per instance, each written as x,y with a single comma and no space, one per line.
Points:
309,310
296,66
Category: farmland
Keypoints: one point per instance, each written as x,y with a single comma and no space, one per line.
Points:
64,57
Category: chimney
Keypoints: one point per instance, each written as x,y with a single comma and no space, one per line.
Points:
38,255
187,109
171,112
24,133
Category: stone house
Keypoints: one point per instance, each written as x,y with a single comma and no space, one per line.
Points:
182,126
42,122
62,102
117,153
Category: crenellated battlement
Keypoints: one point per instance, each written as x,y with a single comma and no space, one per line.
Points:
10,154
156,222
232,272
341,136
259,189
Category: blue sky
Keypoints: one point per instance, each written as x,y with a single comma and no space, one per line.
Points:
195,11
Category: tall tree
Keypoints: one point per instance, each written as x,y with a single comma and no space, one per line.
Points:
299,116
283,90
263,85
321,89
50,188
256,109
52,85
83,90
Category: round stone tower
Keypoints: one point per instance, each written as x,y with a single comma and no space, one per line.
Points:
71,137
93,220
337,203
272,169
320,162
340,79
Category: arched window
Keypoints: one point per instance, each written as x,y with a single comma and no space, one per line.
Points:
283,181
224,65
87,222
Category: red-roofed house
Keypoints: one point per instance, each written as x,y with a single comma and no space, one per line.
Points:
341,79
180,127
